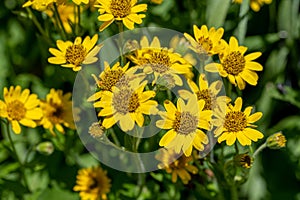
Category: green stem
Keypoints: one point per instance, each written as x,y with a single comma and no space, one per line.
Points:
114,137
234,192
17,158
37,23
259,149
78,20
121,41
61,25
236,148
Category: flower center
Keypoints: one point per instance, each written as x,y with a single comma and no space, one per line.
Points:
56,114
120,8
111,78
246,161
75,54
16,110
235,121
185,123
234,63
126,101
160,61
205,45
208,97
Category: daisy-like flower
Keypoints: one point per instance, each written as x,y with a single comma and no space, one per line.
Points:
73,55
276,141
126,106
209,93
255,4
178,165
153,59
120,10
233,124
78,2
113,76
20,107
237,67
57,109
206,42
39,5
184,123
92,183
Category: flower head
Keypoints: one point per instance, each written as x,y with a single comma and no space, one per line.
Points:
57,109
177,165
185,123
73,55
276,141
78,2
39,5
153,59
255,4
206,42
92,183
232,124
243,160
237,67
126,106
120,10
20,107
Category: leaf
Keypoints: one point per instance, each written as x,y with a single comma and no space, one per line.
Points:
214,18
6,169
57,194
288,123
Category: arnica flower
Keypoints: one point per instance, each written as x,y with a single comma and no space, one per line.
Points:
78,2
178,165
243,160
206,42
153,59
73,55
209,93
126,106
57,109
39,5
237,67
255,4
92,183
120,10
184,122
276,141
234,124
157,1
113,76
66,13
20,107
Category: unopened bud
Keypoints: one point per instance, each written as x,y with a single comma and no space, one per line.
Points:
243,160
276,141
45,148
96,130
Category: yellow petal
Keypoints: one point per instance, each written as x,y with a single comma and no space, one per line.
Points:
254,117
109,122
28,122
252,56
253,134
238,104
243,140
35,114
230,139
167,138
16,127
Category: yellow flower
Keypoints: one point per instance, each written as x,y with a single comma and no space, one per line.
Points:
243,160
255,4
20,108
209,93
206,42
57,109
276,141
154,59
78,2
126,106
39,5
115,76
237,67
73,55
177,165
234,124
156,1
92,183
66,13
120,10
184,123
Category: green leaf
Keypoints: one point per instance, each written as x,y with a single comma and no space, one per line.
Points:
57,194
6,169
288,123
216,12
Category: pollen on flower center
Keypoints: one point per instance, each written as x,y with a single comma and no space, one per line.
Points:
120,8
208,97
160,61
185,123
16,110
205,45
126,101
235,121
75,54
56,115
110,79
234,63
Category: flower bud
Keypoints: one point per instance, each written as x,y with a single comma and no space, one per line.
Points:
243,160
96,130
276,141
45,148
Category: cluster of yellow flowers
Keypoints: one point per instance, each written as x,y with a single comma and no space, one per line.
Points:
125,96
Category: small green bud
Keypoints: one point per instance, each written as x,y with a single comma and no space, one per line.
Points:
45,148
